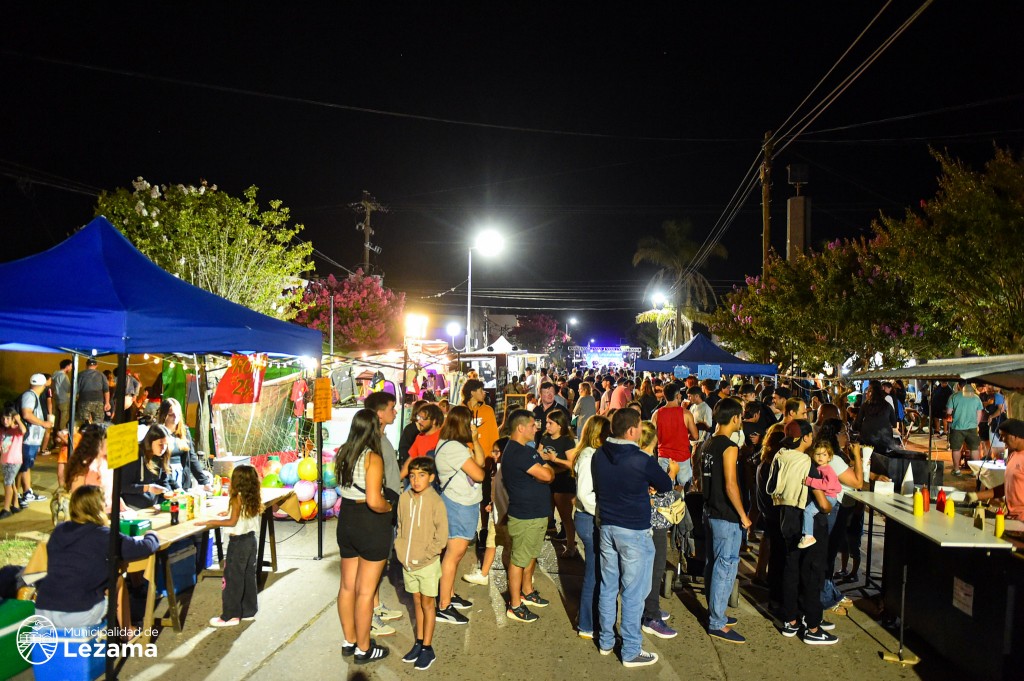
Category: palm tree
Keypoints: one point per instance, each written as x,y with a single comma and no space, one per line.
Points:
688,289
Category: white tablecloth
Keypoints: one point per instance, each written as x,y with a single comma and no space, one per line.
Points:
990,473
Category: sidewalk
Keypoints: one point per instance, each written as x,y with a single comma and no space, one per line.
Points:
297,633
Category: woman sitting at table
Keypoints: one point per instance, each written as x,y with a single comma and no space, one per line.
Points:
73,592
185,467
144,483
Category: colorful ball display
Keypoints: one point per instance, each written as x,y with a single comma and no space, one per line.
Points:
305,490
330,480
308,510
307,469
289,473
328,455
272,466
272,480
328,497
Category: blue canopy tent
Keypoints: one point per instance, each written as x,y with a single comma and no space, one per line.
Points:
701,350
117,301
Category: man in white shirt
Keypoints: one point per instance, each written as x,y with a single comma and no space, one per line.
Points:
701,412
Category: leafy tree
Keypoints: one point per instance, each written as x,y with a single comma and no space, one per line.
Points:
536,333
960,254
367,315
224,244
688,290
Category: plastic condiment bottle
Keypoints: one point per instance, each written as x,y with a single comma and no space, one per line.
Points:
950,509
927,499
918,502
940,501
174,512
1000,522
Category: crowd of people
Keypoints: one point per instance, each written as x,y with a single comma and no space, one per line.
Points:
611,459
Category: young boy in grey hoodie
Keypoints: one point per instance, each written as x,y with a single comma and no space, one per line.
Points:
422,534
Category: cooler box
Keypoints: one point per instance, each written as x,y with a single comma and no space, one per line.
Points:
76,668
135,527
181,556
12,614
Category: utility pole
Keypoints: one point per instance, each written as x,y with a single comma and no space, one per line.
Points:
766,201
366,207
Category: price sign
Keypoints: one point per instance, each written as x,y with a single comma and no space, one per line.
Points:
682,371
321,400
713,371
243,381
122,444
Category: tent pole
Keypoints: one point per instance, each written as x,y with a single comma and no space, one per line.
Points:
72,406
114,556
320,477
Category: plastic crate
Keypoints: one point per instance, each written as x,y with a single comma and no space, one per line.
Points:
66,663
182,558
12,614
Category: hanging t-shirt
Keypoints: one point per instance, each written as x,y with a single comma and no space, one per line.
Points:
299,390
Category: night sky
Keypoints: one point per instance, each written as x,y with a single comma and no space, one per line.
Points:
575,129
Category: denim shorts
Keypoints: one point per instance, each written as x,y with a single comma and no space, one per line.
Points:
28,457
462,520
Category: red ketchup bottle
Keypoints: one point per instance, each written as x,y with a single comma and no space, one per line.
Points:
940,501
927,498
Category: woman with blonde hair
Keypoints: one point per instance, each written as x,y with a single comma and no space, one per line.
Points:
597,430
184,461
73,593
586,405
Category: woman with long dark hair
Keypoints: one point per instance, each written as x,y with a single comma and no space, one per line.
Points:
648,400
460,470
364,534
876,420
144,485
473,398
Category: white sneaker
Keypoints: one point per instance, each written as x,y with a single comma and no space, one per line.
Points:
476,577
806,541
385,613
379,628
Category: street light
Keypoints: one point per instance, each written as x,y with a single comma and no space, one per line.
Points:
570,320
453,330
489,242
659,299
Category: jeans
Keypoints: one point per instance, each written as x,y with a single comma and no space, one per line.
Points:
626,559
812,510
652,606
722,543
585,529
685,474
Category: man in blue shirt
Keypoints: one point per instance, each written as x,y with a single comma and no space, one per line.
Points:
526,476
966,409
623,476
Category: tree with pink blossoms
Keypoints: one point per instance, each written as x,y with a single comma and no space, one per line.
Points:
537,332
367,315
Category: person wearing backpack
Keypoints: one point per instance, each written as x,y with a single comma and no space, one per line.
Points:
460,470
32,416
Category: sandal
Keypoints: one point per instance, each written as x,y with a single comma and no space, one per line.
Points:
838,609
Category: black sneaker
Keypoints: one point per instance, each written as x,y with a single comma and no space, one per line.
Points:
17,509
413,654
461,603
790,630
374,654
521,614
819,638
425,659
5,514
535,600
32,496
348,650
451,616
824,624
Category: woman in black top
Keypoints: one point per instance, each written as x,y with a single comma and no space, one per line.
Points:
648,400
146,483
876,419
554,446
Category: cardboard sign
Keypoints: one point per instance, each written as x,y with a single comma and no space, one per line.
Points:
243,381
122,444
712,371
321,400
682,371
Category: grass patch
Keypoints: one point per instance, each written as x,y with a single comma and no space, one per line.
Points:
16,551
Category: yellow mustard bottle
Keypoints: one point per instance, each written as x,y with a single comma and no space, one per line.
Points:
1000,523
918,502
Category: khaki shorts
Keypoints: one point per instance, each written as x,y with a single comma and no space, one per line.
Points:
958,437
527,539
423,581
489,544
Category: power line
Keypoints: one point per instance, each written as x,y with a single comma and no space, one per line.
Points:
919,114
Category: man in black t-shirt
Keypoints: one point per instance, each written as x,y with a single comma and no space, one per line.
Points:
526,477
725,518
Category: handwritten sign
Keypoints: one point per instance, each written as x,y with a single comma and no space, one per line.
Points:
243,381
321,400
963,596
681,371
122,444
713,371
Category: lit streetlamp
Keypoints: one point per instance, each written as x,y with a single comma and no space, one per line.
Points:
570,320
453,330
489,242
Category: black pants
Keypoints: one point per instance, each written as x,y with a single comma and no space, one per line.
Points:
652,606
804,571
776,558
238,597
